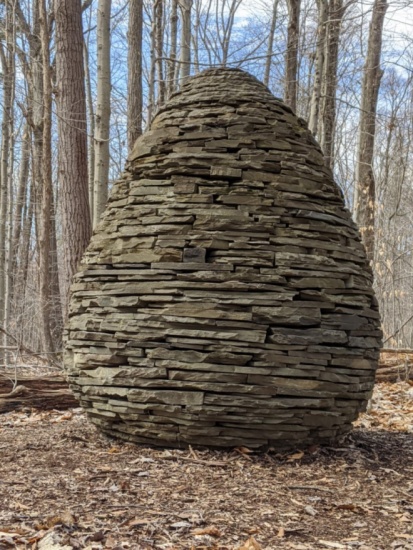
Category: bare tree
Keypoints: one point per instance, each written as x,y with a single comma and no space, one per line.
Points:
291,61
365,193
173,24
76,227
91,117
268,61
102,118
159,49
7,57
135,72
329,79
47,189
314,121
185,59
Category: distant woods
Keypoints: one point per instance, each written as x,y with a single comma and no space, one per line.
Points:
81,80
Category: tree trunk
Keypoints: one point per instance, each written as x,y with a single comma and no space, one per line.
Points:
329,81
72,128
56,321
227,24
319,66
26,235
365,192
291,64
7,99
195,37
11,52
159,50
91,123
21,197
135,72
268,61
172,52
185,60
102,119
152,68
47,189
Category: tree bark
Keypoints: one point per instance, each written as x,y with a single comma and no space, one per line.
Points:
152,68
365,192
7,99
47,189
185,59
26,236
329,81
195,36
172,52
159,50
102,118
91,119
21,199
135,72
11,61
291,64
71,109
268,61
91,132
319,66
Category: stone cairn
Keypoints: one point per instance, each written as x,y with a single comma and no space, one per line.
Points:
225,298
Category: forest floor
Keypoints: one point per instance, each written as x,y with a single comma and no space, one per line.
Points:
63,485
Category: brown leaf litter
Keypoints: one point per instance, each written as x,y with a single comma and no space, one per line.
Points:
63,485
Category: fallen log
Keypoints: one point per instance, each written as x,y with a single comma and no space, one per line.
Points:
41,392
395,365
396,373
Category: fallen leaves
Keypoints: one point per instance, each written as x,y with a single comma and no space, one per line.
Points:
78,488
211,531
250,544
391,409
296,456
66,518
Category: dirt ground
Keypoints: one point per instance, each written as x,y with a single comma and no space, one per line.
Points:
63,485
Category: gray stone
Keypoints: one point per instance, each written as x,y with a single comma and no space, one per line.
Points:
225,298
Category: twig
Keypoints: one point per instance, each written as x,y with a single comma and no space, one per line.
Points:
309,487
197,460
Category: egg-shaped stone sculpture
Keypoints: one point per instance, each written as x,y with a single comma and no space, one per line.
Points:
225,298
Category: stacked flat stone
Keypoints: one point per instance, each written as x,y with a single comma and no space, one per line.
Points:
225,298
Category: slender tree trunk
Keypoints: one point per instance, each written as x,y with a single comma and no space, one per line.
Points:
172,52
159,50
56,322
185,61
102,119
268,61
152,68
6,64
26,236
21,199
135,72
319,66
47,189
291,64
227,23
329,83
365,193
11,54
72,128
91,130
195,37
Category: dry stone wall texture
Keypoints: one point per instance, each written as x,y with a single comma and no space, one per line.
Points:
225,298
